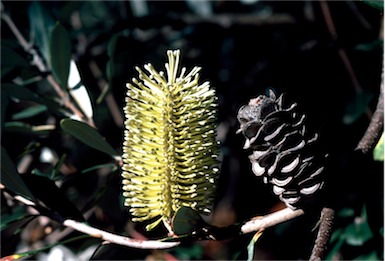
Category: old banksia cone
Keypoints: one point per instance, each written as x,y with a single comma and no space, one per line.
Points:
170,147
284,152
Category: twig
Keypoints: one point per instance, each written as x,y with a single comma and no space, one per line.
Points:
270,220
113,238
38,61
95,232
324,233
376,125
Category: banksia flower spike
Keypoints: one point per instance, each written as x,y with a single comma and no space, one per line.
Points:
170,146
284,152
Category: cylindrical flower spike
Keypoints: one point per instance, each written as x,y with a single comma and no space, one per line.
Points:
170,146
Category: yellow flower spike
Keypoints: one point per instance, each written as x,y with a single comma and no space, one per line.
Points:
169,145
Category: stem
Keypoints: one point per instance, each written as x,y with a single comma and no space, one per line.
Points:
270,220
324,233
376,125
117,239
95,232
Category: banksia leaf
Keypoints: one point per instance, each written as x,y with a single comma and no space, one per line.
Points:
170,150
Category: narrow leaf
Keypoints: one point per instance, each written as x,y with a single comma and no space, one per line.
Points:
251,245
41,23
17,214
378,4
107,165
52,196
87,135
29,112
356,107
60,54
23,93
11,179
21,127
56,169
11,58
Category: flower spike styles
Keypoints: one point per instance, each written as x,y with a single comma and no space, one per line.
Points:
170,147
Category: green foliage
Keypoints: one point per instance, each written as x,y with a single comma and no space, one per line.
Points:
60,54
87,135
357,107
29,112
11,179
10,60
41,23
378,4
355,234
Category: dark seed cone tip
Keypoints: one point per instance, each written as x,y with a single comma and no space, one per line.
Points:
284,153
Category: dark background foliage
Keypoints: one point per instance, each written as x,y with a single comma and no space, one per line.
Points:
244,48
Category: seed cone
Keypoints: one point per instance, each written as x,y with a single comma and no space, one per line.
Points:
284,153
170,148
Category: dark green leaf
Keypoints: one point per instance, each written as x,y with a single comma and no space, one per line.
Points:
60,54
47,192
87,135
108,165
29,112
366,47
23,93
378,4
357,107
358,232
10,58
370,256
56,170
186,221
37,172
192,252
41,24
345,212
17,214
336,235
11,179
111,54
20,92
4,104
21,127
335,249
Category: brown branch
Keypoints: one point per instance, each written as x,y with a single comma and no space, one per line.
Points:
270,220
376,125
324,233
95,232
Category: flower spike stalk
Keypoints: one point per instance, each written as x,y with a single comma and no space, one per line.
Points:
170,147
